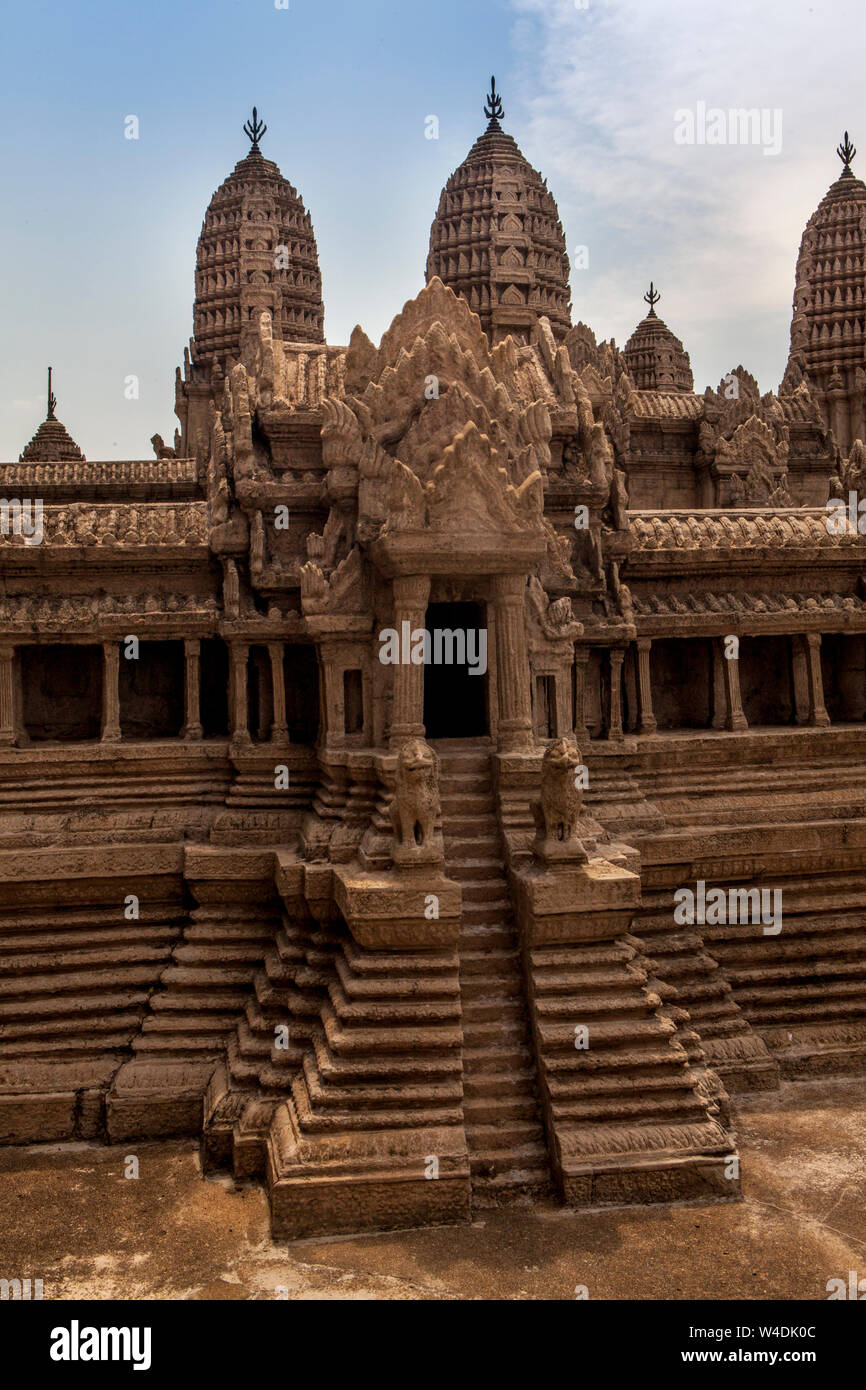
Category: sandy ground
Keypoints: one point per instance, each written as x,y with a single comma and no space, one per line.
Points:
70,1217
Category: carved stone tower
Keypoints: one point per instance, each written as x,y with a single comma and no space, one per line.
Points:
497,239
52,441
827,331
655,357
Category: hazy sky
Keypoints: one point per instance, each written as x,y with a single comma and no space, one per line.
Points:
98,233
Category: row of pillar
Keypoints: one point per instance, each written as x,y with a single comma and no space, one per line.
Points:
192,727
726,677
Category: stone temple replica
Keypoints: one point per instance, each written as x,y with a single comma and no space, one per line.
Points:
357,750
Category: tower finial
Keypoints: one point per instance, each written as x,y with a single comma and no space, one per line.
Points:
52,399
254,130
493,107
846,153
652,298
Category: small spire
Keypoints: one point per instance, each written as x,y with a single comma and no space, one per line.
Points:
254,130
493,108
52,400
846,153
652,298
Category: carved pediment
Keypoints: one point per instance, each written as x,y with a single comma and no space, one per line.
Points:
470,492
758,462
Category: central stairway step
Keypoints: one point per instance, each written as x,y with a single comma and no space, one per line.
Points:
504,1132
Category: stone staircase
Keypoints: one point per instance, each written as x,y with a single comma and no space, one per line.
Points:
504,1131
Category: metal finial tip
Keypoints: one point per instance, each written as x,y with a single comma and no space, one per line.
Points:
846,153
52,399
493,107
254,130
652,298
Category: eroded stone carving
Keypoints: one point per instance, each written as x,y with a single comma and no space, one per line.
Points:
415,805
557,811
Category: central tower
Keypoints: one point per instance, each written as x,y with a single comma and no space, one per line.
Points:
497,239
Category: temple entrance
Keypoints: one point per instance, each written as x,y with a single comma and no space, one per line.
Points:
455,677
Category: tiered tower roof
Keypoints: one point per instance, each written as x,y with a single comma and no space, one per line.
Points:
827,330
497,239
52,442
655,358
256,251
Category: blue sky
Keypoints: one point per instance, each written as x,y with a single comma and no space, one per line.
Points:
98,233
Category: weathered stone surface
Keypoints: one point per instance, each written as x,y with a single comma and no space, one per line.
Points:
293,851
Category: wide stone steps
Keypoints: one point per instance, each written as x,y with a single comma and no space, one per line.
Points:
322,1120
416,1093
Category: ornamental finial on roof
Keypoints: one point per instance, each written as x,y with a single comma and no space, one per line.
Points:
52,399
254,130
493,107
652,298
846,153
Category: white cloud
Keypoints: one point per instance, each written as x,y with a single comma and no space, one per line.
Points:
716,227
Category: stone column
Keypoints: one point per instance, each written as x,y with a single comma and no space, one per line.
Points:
581,660
512,663
238,656
734,717
617,655
720,694
648,723
7,696
279,728
802,694
411,593
192,728
818,715
110,696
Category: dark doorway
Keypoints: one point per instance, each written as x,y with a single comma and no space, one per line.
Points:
455,699
62,688
843,666
353,702
767,680
682,682
545,707
151,690
214,688
302,693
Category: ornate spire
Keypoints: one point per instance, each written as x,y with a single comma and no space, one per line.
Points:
52,442
493,107
846,153
255,130
652,298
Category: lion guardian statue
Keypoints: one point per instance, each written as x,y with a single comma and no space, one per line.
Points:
557,811
415,806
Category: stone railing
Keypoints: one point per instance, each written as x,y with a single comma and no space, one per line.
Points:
112,472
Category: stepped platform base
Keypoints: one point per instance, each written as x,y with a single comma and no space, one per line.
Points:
378,1180
41,1103
813,1053
236,1127
156,1100
630,1179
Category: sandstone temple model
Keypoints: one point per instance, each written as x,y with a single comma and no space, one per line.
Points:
398,937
